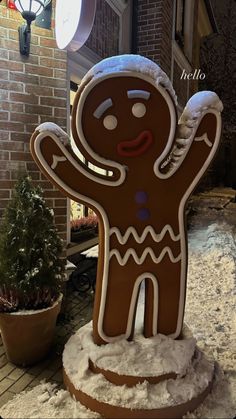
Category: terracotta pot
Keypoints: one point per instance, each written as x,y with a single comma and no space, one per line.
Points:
27,335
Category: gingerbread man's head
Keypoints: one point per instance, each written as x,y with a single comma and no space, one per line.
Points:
125,116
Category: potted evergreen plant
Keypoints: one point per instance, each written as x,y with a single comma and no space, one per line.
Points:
31,275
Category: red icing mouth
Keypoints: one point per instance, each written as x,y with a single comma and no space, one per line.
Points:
137,147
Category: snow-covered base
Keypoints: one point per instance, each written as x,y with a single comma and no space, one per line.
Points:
142,357
210,313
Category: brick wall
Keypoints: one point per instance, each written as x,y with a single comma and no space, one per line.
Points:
154,31
104,37
32,90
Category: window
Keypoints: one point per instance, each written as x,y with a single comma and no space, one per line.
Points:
179,22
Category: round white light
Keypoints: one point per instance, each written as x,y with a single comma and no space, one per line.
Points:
139,110
110,122
34,6
73,22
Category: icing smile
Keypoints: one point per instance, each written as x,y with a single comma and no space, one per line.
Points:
137,147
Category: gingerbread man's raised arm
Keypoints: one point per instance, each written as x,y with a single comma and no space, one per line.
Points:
52,152
198,134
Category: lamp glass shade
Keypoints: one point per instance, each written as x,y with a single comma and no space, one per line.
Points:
34,6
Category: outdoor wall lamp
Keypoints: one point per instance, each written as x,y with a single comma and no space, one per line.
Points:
29,9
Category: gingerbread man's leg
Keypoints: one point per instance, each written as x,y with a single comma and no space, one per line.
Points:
115,305
169,279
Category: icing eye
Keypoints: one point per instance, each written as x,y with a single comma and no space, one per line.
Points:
110,122
139,110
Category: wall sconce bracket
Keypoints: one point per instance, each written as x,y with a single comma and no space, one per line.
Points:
24,39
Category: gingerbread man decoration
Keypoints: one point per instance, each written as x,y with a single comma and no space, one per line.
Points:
124,121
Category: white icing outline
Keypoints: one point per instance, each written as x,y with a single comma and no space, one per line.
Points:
76,165
147,252
56,160
204,138
138,94
146,275
131,231
106,104
181,214
87,89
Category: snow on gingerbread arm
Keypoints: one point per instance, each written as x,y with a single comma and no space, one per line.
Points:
198,136
51,150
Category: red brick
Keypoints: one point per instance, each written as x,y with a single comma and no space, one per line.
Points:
17,156
60,74
61,202
4,75
16,56
24,98
24,78
6,184
12,107
4,116
4,202
25,118
42,52
48,42
4,175
61,220
7,85
50,62
4,194
60,211
39,90
4,135
60,93
19,136
42,71
12,126
38,109
55,102
11,146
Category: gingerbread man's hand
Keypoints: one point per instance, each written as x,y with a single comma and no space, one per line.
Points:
51,150
198,136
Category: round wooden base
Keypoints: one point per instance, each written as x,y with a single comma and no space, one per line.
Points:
110,411
146,378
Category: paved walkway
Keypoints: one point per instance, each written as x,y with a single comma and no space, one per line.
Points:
216,205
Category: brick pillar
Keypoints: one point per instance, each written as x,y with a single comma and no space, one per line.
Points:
32,90
154,31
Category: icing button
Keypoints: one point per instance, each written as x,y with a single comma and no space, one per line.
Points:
141,197
143,214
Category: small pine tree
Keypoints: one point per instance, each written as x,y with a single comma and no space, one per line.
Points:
31,271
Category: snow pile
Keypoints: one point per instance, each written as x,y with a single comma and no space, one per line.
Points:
197,104
169,355
45,401
194,110
136,358
129,62
54,129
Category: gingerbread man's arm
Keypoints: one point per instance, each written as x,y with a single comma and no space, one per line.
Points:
198,136
51,151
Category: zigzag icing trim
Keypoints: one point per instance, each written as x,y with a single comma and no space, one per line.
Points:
131,231
139,260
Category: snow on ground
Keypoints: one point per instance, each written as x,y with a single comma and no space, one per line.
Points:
210,314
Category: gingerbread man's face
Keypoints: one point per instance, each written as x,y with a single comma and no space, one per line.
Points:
126,119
